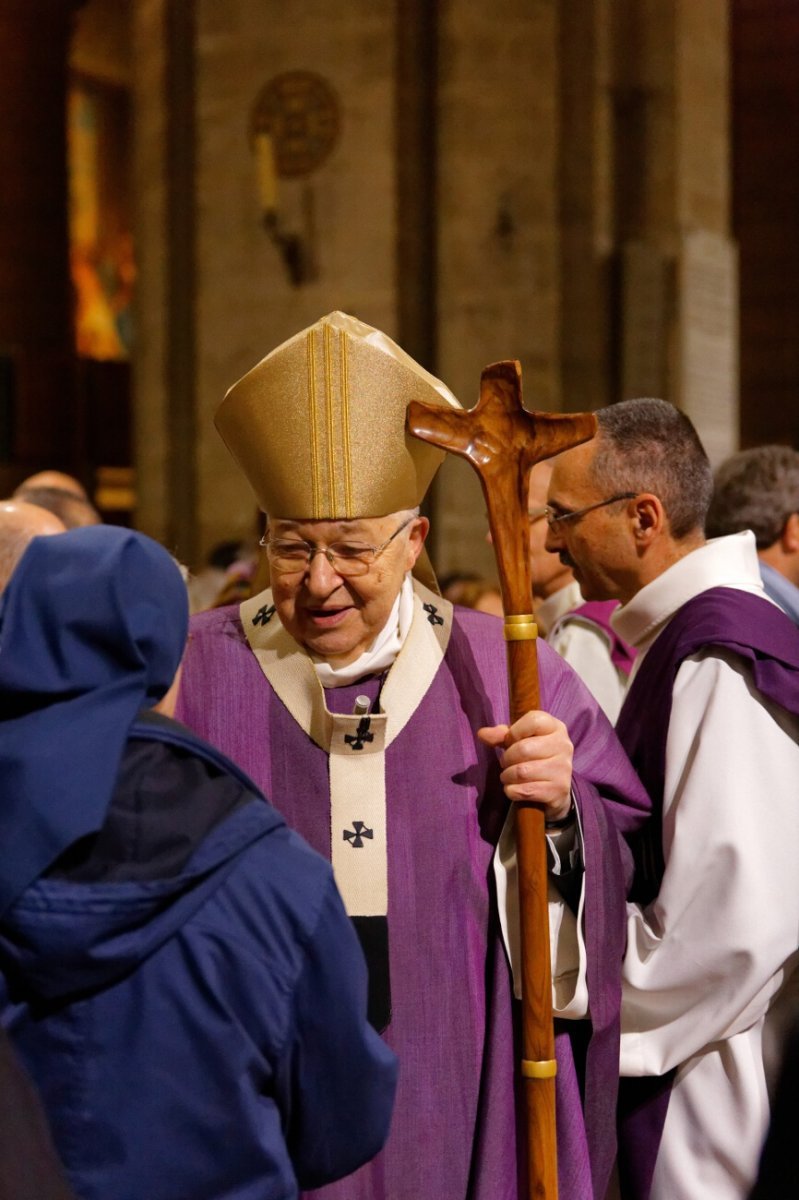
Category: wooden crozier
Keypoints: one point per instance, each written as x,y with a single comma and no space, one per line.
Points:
503,441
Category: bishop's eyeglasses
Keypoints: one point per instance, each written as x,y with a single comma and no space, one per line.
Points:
288,555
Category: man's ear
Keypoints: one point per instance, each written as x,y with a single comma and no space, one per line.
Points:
648,517
789,538
419,530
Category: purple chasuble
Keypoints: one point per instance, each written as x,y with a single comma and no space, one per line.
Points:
599,612
454,1022
768,642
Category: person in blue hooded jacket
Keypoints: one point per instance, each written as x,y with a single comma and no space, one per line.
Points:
177,972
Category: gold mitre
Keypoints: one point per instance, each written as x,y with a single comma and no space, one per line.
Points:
318,426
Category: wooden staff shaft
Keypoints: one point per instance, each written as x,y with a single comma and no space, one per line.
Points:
502,441
538,1035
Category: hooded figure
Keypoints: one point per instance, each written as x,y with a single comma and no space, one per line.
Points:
178,974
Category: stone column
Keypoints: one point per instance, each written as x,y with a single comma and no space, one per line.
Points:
585,205
678,266
165,363
498,249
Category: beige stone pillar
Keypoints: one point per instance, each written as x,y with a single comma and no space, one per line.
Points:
678,267
152,443
498,250
585,199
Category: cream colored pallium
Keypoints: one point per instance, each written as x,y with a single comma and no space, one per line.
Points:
357,778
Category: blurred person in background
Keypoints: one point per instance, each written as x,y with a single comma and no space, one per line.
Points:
472,591
226,575
54,479
73,510
20,522
758,489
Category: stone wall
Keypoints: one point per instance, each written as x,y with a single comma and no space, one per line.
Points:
498,286
579,214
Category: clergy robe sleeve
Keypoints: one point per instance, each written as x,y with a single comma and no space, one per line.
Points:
588,653
706,956
338,1077
586,951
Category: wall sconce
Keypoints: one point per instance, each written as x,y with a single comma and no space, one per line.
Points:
293,128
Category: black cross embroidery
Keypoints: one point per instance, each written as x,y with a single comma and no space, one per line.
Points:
356,741
264,615
356,839
433,617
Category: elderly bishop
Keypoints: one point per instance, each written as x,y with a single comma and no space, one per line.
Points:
352,693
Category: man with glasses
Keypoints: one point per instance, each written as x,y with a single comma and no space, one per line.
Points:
352,693
711,722
579,629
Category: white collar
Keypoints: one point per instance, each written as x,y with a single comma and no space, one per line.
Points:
548,611
383,650
722,562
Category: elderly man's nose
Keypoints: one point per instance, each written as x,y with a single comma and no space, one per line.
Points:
321,573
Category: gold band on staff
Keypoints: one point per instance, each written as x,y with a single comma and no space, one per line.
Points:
545,1069
521,628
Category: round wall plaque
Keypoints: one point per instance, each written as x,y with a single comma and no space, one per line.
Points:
300,112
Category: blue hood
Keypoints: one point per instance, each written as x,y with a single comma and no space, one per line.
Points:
62,938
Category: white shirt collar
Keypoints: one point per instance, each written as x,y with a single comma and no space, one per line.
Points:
383,650
722,562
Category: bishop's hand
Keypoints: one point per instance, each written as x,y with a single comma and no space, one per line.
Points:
536,761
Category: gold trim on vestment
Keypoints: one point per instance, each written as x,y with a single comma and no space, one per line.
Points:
314,434
330,413
345,421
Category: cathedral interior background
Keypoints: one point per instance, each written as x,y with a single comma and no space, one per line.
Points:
606,190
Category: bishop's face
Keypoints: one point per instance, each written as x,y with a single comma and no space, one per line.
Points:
337,616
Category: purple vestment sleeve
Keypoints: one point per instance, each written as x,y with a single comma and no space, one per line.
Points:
454,1022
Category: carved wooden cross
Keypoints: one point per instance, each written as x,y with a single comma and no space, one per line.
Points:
503,441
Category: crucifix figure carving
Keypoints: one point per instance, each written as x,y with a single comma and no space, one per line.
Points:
503,441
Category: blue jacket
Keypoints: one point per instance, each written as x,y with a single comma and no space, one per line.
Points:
189,995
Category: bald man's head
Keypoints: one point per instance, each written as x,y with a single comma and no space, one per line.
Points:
53,479
72,510
20,522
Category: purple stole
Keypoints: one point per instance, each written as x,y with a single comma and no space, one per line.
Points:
758,632
599,612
